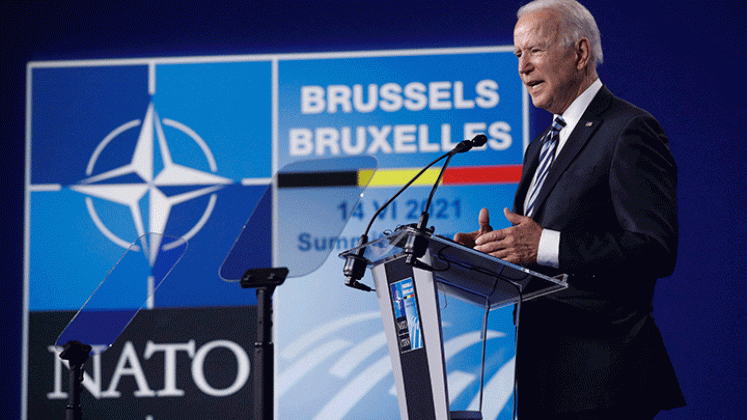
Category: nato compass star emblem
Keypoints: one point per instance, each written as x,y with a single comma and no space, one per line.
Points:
142,184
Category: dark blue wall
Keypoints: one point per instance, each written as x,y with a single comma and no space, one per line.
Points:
683,61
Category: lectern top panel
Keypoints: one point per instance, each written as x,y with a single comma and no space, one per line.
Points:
465,273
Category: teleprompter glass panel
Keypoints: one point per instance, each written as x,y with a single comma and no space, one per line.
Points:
299,206
130,285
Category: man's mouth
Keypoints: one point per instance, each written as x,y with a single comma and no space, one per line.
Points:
533,84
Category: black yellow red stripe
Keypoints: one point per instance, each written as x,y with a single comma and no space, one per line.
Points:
461,175
325,179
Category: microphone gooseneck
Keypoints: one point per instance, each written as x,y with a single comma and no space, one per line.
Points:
355,263
463,146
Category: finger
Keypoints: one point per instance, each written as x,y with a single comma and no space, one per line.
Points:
492,236
512,217
467,238
484,220
488,248
491,248
497,250
464,238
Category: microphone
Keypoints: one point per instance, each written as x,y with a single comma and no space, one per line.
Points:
355,267
417,244
355,264
466,145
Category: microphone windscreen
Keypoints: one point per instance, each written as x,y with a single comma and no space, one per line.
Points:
479,140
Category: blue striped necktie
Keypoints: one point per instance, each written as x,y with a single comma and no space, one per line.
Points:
549,143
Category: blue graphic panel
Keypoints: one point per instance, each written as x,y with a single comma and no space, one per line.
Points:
118,151
66,264
228,104
337,349
73,108
404,110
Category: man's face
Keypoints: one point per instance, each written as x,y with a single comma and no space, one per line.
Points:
547,68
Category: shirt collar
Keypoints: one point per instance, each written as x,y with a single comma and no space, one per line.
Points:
573,114
577,108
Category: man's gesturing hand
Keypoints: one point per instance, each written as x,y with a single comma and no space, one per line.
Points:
517,244
468,239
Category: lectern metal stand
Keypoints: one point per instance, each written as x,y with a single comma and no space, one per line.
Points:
409,303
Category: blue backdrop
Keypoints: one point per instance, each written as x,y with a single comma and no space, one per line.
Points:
682,61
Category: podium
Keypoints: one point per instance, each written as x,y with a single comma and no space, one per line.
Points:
409,295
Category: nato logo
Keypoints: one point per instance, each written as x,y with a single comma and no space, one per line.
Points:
138,184
120,149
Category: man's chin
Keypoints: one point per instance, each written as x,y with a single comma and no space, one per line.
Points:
540,103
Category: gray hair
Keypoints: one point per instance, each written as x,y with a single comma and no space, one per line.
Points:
578,21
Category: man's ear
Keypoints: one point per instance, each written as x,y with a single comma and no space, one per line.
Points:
583,53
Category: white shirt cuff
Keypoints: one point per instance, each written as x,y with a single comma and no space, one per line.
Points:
548,254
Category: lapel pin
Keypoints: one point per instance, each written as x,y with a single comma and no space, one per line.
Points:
589,123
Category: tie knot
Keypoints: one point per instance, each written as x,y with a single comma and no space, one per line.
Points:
557,124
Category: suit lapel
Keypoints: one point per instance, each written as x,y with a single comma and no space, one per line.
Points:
590,121
531,161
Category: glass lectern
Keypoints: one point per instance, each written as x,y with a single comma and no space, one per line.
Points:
409,295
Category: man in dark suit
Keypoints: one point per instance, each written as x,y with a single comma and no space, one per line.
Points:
596,200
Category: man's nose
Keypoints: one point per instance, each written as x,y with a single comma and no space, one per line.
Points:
525,65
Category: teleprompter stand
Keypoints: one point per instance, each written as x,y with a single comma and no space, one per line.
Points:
264,281
76,353
408,295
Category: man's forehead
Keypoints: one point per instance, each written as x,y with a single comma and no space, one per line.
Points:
537,26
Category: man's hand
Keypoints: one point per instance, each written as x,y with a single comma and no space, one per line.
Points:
468,239
517,244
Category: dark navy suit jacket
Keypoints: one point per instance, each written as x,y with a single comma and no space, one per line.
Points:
611,192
